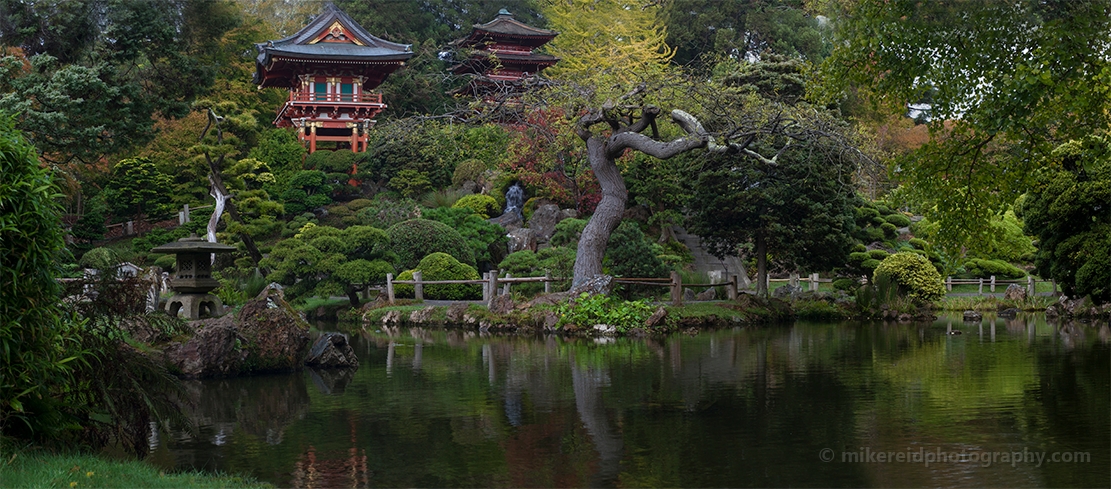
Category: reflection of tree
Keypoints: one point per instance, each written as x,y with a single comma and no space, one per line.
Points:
589,384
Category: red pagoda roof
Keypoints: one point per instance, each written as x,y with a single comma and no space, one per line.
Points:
331,40
504,27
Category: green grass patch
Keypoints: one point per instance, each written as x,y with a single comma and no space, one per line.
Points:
313,303
33,470
987,303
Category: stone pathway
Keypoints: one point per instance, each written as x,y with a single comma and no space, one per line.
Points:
705,262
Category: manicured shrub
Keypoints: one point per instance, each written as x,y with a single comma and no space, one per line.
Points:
567,232
629,255
857,258
486,239
979,268
874,234
385,212
918,243
359,204
878,254
884,210
870,265
410,183
889,230
899,220
468,171
859,248
483,205
442,266
414,239
914,274
878,221
846,284
340,211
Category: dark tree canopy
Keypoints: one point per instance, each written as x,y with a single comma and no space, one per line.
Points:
1069,210
799,211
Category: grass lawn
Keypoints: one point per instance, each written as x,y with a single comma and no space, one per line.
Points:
33,470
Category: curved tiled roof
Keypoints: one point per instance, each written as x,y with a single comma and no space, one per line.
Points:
306,47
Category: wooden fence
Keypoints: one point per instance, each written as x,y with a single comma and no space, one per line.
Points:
1029,283
493,285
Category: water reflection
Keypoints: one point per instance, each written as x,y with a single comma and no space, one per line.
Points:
742,407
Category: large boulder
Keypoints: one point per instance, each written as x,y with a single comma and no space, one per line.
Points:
332,350
212,351
1015,293
277,337
787,292
522,239
266,336
509,220
544,220
598,284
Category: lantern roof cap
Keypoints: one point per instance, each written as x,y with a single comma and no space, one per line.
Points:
192,244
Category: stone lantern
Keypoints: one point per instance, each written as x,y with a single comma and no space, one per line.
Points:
193,281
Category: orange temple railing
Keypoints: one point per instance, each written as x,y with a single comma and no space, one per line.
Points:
360,98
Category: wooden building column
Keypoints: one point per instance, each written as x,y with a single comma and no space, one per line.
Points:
312,137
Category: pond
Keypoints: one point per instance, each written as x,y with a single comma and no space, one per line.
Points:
1007,403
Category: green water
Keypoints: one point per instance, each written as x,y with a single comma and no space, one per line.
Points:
887,405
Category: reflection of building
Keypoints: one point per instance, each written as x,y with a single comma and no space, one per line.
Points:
502,55
330,67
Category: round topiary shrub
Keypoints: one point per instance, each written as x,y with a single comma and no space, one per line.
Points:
860,248
442,266
918,243
899,220
416,238
483,205
914,274
846,284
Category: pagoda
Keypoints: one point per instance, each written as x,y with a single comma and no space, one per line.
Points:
503,53
330,67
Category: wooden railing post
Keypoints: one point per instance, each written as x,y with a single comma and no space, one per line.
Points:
505,288
731,288
547,282
1030,289
676,289
814,282
389,287
493,284
981,292
793,279
418,288
949,284
486,287
993,284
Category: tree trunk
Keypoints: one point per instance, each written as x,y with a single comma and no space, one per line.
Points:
224,201
353,295
592,244
761,265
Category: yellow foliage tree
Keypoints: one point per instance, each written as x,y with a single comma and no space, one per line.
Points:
609,41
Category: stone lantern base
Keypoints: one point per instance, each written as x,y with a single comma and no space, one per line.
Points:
195,306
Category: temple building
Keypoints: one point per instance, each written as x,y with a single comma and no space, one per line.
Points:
502,53
331,68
